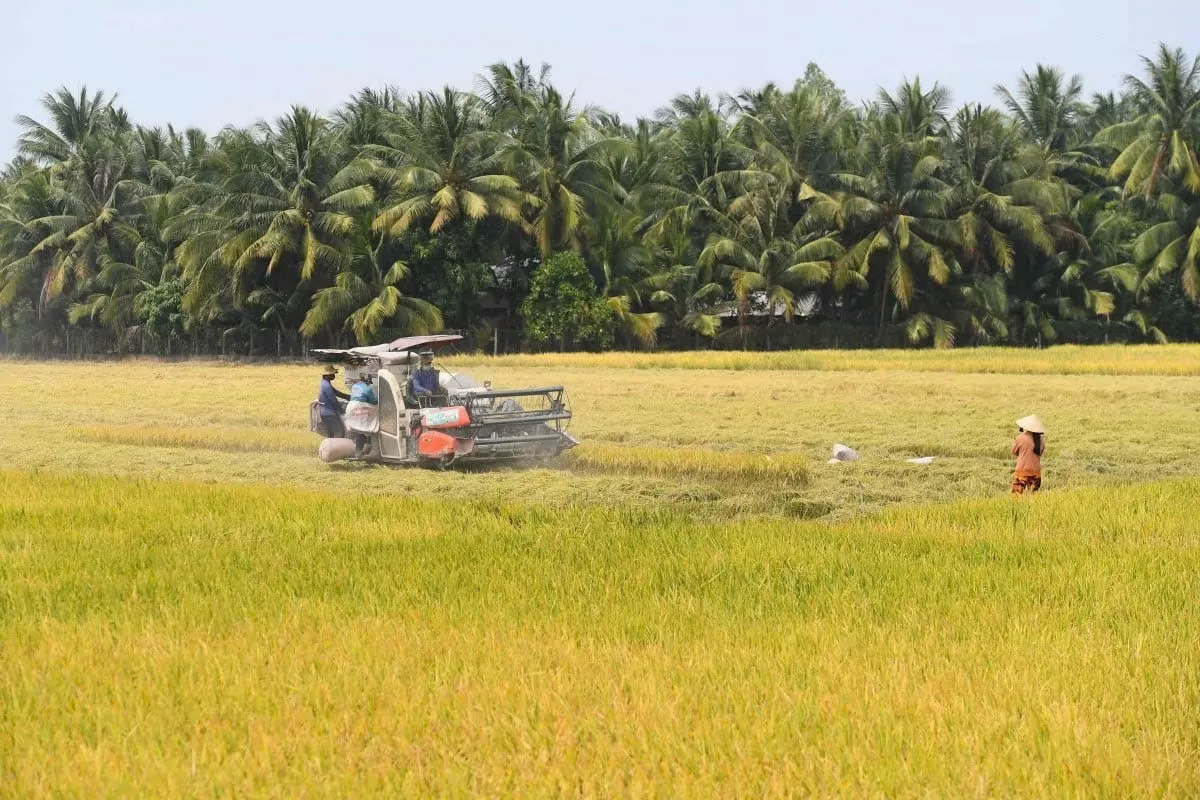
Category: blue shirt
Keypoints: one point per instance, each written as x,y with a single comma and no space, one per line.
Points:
425,381
328,398
363,393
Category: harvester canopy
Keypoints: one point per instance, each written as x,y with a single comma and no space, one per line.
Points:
399,351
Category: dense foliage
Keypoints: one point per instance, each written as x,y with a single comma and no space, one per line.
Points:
563,308
777,216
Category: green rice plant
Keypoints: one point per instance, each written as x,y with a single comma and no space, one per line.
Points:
173,639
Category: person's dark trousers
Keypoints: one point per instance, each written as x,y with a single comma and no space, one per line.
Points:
334,429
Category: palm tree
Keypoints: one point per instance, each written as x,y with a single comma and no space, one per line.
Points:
687,294
96,227
365,297
983,312
87,191
118,287
1047,107
891,209
26,261
559,158
701,148
642,162
286,205
913,112
796,137
750,102
1161,140
445,165
617,245
509,93
766,256
702,169
1097,266
1105,111
1172,245
976,305
366,118
687,106
275,310
74,121
999,194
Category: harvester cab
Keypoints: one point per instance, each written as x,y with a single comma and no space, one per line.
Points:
441,418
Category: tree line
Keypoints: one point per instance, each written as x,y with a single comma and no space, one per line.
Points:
777,216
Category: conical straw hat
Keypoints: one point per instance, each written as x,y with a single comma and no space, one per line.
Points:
1032,423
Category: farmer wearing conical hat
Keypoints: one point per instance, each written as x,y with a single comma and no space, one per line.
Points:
330,409
1028,449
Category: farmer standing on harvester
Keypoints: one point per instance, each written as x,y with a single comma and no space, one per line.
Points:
331,410
361,393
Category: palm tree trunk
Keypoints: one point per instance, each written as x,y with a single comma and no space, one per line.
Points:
1157,170
883,295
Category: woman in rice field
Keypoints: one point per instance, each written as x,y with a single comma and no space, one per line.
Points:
1028,449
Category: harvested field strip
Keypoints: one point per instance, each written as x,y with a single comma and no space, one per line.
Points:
707,465
1177,360
1104,430
225,439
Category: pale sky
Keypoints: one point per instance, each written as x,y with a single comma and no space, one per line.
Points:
236,61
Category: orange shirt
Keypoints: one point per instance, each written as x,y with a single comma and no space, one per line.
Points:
1029,463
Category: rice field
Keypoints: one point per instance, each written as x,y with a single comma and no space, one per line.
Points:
1175,359
714,444
693,603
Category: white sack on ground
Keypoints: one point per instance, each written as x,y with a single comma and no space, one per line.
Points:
843,453
921,460
335,450
362,417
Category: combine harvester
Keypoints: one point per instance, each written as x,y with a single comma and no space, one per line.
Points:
469,424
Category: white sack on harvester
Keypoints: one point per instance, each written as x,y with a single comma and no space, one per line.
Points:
335,450
362,417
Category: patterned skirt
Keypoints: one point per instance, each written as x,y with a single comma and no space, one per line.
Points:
1026,484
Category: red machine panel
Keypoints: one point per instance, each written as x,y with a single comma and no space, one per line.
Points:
435,444
449,417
